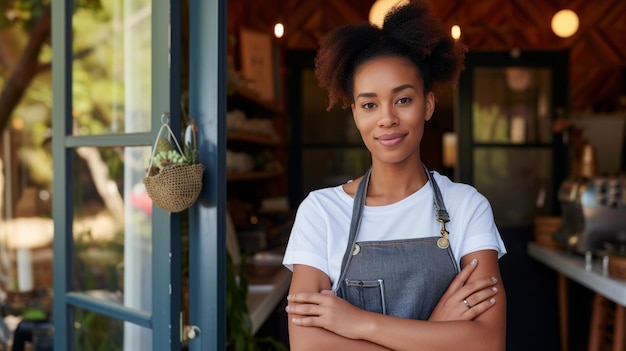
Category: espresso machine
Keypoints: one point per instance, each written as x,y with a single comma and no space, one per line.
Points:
569,196
594,214
604,210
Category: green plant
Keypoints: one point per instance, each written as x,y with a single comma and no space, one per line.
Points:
96,332
99,261
167,156
191,154
239,335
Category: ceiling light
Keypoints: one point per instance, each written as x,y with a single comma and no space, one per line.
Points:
565,23
379,10
279,30
455,31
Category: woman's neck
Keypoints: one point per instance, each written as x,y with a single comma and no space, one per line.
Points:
392,183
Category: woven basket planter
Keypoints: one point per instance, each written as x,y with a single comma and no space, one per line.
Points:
175,188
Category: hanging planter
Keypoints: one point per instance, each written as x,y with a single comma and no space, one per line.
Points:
174,177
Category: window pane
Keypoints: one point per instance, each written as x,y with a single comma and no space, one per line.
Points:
95,332
514,180
111,85
26,226
512,105
320,126
112,225
322,167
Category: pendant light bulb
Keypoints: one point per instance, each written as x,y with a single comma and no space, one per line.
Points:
379,10
279,30
455,31
565,23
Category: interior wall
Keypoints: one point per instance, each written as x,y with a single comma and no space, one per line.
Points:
597,57
596,82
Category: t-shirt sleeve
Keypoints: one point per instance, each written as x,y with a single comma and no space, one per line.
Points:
481,232
308,239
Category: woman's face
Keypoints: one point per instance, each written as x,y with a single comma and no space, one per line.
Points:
390,108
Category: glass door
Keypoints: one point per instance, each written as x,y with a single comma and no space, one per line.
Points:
508,151
322,142
116,261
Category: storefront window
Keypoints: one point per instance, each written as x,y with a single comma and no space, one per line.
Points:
111,87
111,95
112,225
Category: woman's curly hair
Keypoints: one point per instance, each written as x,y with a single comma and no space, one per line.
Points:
410,31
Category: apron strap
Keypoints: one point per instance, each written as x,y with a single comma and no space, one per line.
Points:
357,210
440,207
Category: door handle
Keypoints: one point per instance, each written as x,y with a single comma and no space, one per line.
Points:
191,332
187,332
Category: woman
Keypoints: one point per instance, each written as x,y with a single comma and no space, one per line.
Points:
376,261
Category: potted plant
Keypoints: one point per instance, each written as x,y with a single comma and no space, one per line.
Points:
174,177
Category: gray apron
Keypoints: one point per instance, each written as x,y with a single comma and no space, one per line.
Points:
403,278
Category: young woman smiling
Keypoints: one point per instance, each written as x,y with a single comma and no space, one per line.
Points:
401,258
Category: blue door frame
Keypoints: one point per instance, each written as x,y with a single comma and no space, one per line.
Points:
207,221
207,218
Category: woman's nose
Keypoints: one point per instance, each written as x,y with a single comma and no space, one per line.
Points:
387,116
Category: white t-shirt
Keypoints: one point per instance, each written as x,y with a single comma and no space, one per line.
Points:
319,236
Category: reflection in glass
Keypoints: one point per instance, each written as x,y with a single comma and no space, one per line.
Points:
512,105
333,166
332,148
320,126
112,67
26,226
93,331
112,225
513,179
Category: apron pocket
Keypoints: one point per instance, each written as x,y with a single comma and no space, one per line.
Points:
368,295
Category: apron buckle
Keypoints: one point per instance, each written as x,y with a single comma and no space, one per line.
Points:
443,242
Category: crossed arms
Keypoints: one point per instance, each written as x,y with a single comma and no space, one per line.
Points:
319,320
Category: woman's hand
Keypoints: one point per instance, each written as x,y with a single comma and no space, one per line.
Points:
325,310
463,301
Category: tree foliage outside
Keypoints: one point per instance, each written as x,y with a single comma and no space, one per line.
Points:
98,86
101,104
98,98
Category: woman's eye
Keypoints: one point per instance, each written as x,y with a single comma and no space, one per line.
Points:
368,105
404,100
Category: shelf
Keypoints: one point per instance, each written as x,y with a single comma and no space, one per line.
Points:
573,267
253,138
265,294
233,177
512,145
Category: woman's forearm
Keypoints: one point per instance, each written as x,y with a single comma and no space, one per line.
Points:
323,320
315,338
403,334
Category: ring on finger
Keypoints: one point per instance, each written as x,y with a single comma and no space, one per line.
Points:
467,304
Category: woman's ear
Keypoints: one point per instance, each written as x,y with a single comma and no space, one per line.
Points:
430,105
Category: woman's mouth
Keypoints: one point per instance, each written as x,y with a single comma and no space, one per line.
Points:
391,139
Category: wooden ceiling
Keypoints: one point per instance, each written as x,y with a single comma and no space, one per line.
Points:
597,50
